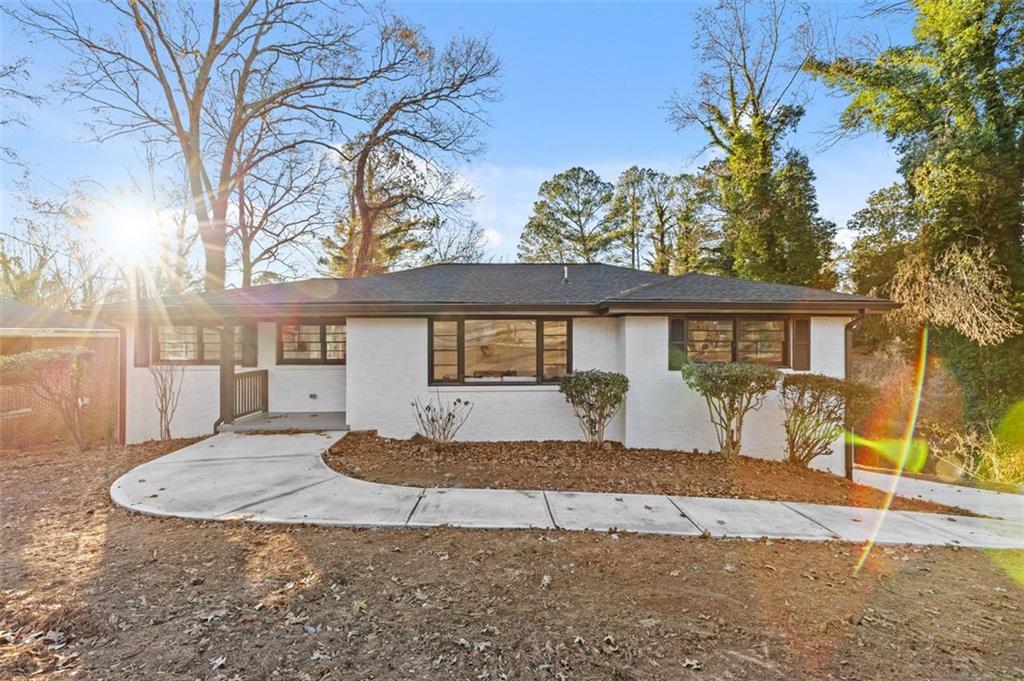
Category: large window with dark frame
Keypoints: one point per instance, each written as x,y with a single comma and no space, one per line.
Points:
195,344
761,340
311,343
504,351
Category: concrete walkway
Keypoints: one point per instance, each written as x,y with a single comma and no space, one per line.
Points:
283,479
981,501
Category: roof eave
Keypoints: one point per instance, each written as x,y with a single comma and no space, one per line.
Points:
54,331
790,307
206,311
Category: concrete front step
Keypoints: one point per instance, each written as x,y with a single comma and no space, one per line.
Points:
292,421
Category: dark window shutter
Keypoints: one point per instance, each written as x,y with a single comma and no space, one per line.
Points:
249,346
802,344
143,343
676,343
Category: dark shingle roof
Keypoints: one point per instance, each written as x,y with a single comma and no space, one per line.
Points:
694,287
498,284
18,315
590,286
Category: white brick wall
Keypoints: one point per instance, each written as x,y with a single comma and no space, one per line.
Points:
388,369
663,413
199,403
392,371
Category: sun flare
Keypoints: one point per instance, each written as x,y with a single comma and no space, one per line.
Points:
129,231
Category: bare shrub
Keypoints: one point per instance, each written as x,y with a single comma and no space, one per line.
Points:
167,379
56,376
963,289
980,452
439,421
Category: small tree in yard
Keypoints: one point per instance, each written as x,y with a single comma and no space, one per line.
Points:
731,390
167,380
54,375
439,421
596,397
816,413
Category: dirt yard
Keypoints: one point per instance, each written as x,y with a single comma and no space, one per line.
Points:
89,591
579,467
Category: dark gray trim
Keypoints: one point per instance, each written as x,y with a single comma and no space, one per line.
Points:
461,350
154,343
735,319
214,312
323,324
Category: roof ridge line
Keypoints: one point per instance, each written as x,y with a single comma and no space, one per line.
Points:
650,284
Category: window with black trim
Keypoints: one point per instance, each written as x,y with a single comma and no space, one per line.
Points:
721,338
504,351
311,343
194,344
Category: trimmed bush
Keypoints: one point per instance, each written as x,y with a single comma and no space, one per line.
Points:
731,390
596,397
816,409
54,375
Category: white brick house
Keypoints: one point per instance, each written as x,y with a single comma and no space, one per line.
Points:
499,335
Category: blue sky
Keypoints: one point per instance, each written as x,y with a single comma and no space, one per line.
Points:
583,84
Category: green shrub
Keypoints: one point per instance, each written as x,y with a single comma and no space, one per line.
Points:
54,375
596,397
731,391
816,409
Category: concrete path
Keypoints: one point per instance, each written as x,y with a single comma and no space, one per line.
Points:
283,479
981,501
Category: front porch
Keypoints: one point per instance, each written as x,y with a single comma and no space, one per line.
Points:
306,394
302,422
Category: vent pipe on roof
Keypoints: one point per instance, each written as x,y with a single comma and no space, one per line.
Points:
565,274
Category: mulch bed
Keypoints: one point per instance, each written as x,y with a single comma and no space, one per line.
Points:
91,591
578,467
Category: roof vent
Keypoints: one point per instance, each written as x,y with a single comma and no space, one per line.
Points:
565,274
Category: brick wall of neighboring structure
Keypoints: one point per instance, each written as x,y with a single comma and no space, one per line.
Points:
26,421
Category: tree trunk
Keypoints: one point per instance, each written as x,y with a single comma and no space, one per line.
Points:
244,238
214,242
214,236
362,265
366,218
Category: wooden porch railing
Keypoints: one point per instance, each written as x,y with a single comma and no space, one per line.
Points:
251,393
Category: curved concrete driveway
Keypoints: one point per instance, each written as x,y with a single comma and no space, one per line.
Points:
283,479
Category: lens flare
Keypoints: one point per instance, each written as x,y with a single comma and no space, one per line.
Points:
905,452
1011,427
895,450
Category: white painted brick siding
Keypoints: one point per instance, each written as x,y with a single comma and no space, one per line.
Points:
392,372
387,370
199,403
663,413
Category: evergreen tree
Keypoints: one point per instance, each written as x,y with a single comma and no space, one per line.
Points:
631,212
770,229
572,220
884,230
695,227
